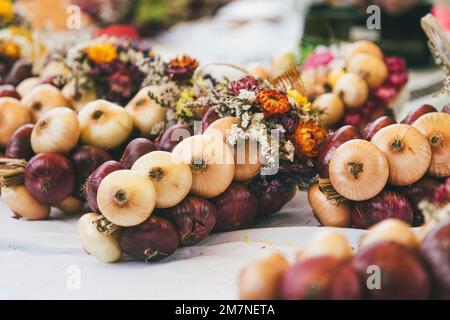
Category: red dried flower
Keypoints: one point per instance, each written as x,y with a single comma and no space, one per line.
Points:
273,102
247,83
182,67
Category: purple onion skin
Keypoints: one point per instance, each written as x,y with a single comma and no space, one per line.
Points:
49,177
168,139
435,250
321,278
85,160
417,113
7,90
332,142
19,145
373,127
194,218
21,70
403,275
424,189
209,117
236,208
272,202
154,239
136,149
446,108
387,204
93,182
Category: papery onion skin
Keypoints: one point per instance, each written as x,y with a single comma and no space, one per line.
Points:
135,149
358,170
272,202
393,230
261,280
23,205
329,214
407,151
236,208
372,69
435,249
71,205
12,115
373,127
327,242
446,109
321,278
194,218
168,139
209,117
49,177
387,204
19,145
417,113
154,239
85,160
435,127
333,108
332,142
402,274
43,98
352,90
94,180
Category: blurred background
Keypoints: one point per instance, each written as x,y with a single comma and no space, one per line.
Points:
257,32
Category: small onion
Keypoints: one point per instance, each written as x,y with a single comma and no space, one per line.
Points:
417,113
358,170
328,213
373,127
363,46
12,115
126,198
23,205
42,98
104,124
436,128
154,239
135,149
352,90
328,243
96,178
394,230
272,202
26,85
372,69
19,145
168,139
56,131
236,208
7,90
71,205
194,218
261,280
332,107
407,151
49,177
386,205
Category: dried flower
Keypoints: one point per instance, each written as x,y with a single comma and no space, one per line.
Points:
182,67
300,100
102,52
273,102
6,10
309,136
181,109
9,49
247,83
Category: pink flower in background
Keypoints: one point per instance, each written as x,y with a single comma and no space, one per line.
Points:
320,57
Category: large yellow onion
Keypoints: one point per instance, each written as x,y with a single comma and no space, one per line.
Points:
12,115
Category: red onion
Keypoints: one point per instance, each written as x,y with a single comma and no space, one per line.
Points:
236,208
402,274
152,240
168,139
446,108
321,278
373,127
7,90
21,70
417,113
435,249
272,202
49,177
19,145
85,160
94,180
332,142
387,204
136,149
194,218
209,117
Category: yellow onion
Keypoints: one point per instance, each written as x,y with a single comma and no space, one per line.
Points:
78,98
328,243
358,170
332,107
372,69
12,115
211,162
221,127
104,124
394,230
71,205
363,46
103,246
329,213
23,205
126,198
172,180
352,90
26,85
261,279
435,127
42,98
56,131
146,112
407,151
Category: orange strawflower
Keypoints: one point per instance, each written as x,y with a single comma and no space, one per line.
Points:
273,101
309,136
102,52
